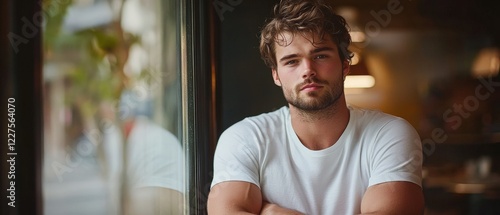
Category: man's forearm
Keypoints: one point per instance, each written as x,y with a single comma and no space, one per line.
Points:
228,211
274,209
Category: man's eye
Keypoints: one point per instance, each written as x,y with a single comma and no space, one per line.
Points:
320,57
290,62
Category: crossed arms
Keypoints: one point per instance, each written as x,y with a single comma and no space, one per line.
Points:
237,197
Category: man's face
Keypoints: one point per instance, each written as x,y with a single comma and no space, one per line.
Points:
311,75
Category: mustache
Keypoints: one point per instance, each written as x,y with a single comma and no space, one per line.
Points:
311,80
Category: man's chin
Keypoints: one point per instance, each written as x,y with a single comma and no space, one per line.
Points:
311,106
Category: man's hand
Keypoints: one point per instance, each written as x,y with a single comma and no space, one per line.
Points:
274,209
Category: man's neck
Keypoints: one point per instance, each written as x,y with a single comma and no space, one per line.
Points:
321,129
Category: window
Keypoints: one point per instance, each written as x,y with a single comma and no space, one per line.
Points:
113,136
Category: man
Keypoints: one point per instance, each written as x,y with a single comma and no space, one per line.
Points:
318,155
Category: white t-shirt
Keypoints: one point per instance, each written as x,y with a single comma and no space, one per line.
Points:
264,150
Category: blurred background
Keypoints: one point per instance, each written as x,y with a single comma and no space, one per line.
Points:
126,98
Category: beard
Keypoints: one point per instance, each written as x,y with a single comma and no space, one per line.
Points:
316,100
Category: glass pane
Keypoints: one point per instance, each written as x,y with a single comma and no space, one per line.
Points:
111,108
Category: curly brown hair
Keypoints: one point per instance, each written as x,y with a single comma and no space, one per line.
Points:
303,17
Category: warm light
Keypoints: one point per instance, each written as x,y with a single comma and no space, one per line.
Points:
359,81
487,62
357,36
355,59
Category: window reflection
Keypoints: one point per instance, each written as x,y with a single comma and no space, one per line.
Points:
111,108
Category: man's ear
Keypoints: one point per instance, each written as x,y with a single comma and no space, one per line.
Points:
346,68
276,78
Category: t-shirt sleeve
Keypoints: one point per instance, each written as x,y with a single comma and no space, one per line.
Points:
236,155
396,155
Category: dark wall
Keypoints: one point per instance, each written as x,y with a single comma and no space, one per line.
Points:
246,85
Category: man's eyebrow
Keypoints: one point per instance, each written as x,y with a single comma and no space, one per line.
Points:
286,57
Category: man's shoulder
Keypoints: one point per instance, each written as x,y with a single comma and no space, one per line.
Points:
372,115
275,117
376,120
278,115
262,123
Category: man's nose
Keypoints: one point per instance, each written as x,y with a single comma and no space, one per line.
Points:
308,69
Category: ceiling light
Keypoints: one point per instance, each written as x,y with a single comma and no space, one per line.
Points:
359,81
487,62
357,36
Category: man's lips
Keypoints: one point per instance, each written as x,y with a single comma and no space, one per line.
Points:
311,86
